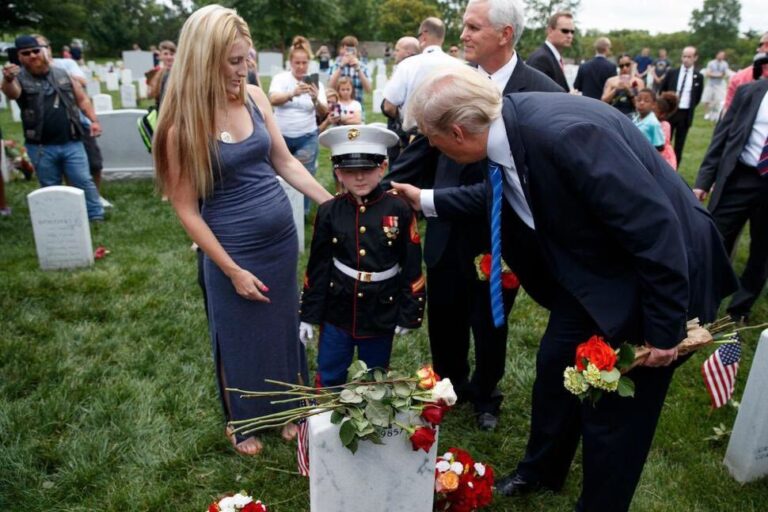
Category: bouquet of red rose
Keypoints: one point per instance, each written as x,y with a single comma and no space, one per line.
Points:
509,279
239,502
372,400
461,484
601,368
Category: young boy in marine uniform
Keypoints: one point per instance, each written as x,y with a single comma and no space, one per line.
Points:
363,282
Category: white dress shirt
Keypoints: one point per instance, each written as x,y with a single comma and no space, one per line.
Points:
558,57
685,93
754,147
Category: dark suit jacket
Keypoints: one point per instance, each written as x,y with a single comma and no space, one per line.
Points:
544,60
426,167
670,84
731,135
590,79
617,228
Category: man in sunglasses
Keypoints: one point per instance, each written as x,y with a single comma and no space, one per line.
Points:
547,58
50,103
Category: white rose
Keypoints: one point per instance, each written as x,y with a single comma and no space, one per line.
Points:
443,466
233,503
457,468
480,469
443,391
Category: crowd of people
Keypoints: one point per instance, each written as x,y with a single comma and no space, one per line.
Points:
503,157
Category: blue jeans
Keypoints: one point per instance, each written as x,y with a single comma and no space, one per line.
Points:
304,148
52,161
336,347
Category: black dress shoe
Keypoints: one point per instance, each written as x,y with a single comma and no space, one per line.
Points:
513,485
487,421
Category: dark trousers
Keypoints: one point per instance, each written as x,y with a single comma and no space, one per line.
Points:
745,198
679,124
336,348
616,432
458,302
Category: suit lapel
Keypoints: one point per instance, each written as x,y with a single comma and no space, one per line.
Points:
516,146
754,106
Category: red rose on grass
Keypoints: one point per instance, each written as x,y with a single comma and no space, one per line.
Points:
423,439
254,506
433,413
214,507
596,351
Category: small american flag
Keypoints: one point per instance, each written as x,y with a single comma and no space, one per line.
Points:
302,448
719,371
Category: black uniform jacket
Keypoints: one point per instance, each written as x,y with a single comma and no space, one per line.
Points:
372,237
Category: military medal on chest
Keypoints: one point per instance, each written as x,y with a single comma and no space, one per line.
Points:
390,226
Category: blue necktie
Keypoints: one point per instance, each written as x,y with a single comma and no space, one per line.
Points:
497,301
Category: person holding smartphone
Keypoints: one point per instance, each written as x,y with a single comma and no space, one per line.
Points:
620,90
349,64
299,99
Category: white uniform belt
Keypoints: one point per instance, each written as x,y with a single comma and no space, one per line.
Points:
366,277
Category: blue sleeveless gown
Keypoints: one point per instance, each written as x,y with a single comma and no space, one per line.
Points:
251,217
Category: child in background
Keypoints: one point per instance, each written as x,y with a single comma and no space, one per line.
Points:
666,105
645,119
333,115
351,110
363,282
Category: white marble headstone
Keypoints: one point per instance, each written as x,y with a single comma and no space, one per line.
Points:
122,149
61,229
297,206
126,76
102,103
381,81
15,111
139,62
377,478
747,454
142,88
378,97
112,82
93,87
91,64
3,101
128,95
270,63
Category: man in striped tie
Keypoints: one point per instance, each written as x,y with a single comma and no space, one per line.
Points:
735,169
622,244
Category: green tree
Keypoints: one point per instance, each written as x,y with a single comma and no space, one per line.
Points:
715,26
539,11
399,18
452,13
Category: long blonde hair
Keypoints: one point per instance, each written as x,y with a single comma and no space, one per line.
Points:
196,90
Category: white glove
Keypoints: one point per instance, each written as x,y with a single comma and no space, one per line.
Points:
399,331
306,332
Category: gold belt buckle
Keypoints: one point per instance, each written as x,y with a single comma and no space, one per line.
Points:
365,277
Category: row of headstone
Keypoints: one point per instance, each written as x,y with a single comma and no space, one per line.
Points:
270,63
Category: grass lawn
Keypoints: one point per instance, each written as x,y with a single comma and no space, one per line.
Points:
108,399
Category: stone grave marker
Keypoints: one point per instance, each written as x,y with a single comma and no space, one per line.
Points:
377,478
3,101
102,103
139,62
112,82
142,88
126,76
297,207
381,81
15,111
91,64
270,63
128,95
747,454
60,226
124,154
93,87
378,97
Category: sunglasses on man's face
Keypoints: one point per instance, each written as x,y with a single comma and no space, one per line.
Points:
567,31
625,65
27,53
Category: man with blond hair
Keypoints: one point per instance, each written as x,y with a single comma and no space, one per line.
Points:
595,242
592,75
458,302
